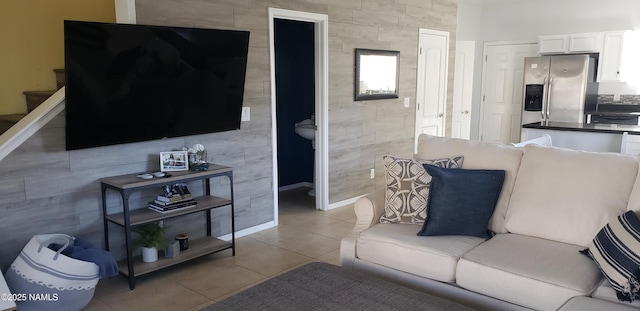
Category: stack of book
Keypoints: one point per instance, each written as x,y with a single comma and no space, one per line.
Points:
175,197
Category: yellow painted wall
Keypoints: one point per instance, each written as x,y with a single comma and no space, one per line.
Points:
31,43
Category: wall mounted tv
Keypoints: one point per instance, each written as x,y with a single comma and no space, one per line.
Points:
129,83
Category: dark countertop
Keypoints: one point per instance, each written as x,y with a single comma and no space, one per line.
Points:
584,127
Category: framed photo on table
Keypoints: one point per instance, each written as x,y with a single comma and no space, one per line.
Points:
174,161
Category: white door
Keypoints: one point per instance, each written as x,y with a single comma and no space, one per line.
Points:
463,89
502,88
433,54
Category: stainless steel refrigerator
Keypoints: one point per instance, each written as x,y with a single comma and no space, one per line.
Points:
559,88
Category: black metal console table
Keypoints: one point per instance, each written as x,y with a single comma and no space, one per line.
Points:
127,184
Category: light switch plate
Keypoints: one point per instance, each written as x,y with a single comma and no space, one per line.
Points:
246,114
406,102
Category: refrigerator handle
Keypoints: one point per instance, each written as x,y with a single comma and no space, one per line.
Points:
548,110
544,99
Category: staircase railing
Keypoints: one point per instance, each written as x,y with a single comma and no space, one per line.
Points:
31,123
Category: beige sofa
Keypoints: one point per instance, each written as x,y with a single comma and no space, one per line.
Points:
553,203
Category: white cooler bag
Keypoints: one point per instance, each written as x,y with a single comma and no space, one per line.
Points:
42,279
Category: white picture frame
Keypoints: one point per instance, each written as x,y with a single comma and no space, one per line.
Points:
171,161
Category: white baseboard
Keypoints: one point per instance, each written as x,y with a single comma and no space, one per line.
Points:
245,232
296,185
271,224
344,202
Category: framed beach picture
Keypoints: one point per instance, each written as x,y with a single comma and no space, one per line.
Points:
174,161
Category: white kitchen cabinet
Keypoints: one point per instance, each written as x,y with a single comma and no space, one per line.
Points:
611,58
571,43
553,44
612,46
576,140
585,42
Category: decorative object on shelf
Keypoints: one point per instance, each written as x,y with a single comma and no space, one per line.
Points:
154,174
150,238
377,74
174,193
145,176
197,157
173,161
184,241
172,250
175,197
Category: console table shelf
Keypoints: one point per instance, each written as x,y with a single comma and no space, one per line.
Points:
125,185
197,248
143,216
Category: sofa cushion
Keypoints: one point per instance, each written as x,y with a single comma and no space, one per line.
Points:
398,247
407,188
528,271
461,201
606,292
568,195
582,303
634,198
478,155
616,250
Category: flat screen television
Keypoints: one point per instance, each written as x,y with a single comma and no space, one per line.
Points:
129,83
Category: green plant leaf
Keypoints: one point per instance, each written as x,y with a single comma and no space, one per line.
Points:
149,235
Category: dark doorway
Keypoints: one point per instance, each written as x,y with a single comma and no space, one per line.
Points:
295,97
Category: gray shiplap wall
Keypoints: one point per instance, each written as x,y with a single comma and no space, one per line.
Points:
45,189
359,132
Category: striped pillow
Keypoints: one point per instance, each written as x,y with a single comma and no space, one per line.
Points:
616,250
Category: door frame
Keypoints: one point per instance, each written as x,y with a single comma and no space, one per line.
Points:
484,75
321,39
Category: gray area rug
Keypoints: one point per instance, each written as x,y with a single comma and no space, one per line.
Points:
321,286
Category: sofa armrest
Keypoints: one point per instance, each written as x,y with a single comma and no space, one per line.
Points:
368,209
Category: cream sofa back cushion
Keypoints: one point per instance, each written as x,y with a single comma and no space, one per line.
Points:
568,195
477,155
634,199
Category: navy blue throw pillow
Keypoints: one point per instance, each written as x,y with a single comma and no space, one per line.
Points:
461,201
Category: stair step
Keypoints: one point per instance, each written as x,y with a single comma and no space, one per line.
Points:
35,98
8,120
59,77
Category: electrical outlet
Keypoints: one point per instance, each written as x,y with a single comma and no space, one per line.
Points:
406,102
373,173
246,114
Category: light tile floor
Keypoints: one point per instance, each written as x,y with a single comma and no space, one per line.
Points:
303,235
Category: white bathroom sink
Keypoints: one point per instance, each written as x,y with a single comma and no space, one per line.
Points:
306,129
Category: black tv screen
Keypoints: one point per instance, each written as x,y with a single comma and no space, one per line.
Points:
129,83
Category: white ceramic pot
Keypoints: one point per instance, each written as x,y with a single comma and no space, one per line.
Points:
149,254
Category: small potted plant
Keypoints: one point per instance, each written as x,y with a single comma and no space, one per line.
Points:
150,239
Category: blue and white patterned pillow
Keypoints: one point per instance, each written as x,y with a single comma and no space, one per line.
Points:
616,250
407,188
